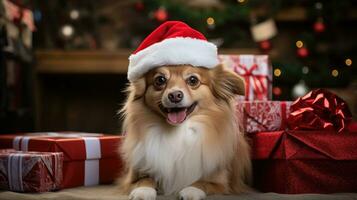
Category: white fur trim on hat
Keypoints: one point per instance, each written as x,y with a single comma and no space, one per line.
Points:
173,51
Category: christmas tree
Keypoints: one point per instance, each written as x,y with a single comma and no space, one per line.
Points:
311,43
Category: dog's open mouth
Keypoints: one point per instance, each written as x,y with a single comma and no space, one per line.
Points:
178,114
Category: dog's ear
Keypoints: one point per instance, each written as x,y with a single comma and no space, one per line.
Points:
137,89
226,84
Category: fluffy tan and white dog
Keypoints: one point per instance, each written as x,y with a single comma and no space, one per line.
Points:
182,134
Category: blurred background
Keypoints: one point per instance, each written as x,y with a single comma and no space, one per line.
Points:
63,63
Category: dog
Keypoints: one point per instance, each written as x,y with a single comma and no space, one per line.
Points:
182,135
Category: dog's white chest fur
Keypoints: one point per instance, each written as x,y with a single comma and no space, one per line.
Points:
173,157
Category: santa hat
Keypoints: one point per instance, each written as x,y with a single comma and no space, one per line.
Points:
172,43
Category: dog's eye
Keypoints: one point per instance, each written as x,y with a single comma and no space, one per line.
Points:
192,81
160,81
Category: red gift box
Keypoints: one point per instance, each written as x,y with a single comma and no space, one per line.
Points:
305,161
256,71
261,116
30,171
89,159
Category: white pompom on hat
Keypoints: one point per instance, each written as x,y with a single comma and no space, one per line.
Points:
172,43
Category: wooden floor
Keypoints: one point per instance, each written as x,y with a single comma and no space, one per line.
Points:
108,192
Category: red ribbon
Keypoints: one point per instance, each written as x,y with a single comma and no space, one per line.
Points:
259,85
283,115
319,110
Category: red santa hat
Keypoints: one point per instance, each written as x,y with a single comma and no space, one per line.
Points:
172,43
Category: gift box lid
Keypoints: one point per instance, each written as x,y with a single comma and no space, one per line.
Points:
305,145
74,145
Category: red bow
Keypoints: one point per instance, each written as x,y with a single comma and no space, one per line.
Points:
260,88
319,110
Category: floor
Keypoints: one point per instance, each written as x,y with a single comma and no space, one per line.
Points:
108,192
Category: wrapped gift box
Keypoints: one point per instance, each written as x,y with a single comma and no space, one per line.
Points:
30,171
305,161
89,159
256,71
261,116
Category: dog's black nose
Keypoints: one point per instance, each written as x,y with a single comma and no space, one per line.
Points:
176,96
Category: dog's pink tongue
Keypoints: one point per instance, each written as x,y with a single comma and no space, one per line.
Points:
177,117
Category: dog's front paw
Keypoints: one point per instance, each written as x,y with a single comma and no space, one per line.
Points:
192,193
143,193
